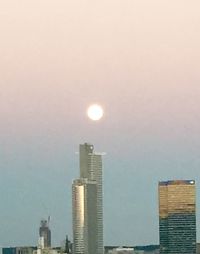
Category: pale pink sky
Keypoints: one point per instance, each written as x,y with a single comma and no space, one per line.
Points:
139,59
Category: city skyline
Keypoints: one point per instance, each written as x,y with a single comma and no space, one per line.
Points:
139,60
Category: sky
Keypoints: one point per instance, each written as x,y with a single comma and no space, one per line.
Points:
139,59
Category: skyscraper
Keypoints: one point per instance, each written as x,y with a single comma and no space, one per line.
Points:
177,217
85,216
87,203
45,232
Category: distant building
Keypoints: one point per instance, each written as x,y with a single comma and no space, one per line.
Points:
9,250
25,250
45,233
198,248
87,207
140,252
46,251
146,249
177,217
19,250
66,246
122,250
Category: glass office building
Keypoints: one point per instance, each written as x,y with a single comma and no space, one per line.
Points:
84,198
177,217
87,202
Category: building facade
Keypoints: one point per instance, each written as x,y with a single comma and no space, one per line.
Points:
87,201
122,250
45,233
19,250
177,217
85,216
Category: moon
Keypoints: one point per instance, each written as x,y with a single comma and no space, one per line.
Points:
95,112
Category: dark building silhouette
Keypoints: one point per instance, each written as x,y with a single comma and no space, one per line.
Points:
45,232
68,246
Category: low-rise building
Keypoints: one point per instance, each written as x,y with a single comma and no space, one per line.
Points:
121,250
19,250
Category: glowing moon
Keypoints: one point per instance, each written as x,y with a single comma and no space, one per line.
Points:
95,112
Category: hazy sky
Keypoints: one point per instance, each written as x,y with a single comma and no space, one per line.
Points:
140,59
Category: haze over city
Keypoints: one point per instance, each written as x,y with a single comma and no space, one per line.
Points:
140,61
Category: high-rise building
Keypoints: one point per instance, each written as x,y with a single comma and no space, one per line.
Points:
87,203
45,233
85,216
177,217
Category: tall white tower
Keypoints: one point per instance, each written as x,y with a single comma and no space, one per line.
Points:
88,203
